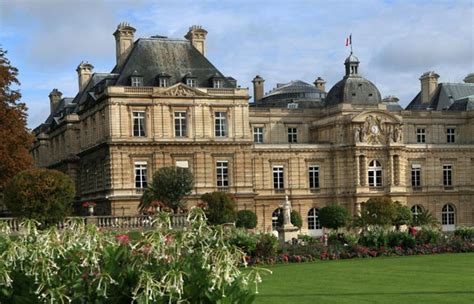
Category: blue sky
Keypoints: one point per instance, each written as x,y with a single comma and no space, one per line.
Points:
396,41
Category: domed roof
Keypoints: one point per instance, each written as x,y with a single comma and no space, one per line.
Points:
355,90
297,91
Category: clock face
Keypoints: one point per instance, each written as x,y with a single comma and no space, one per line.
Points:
375,129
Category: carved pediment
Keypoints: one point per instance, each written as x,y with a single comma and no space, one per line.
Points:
182,90
377,128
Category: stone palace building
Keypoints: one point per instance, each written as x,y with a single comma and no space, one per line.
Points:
165,104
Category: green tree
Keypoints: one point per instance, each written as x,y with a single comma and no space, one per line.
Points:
425,218
15,140
41,194
295,219
220,207
169,185
402,216
379,211
246,219
333,216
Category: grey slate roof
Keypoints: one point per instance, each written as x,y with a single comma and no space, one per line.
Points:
353,89
150,57
463,104
443,97
296,91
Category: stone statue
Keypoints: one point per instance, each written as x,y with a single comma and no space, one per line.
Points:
357,135
286,212
398,134
391,136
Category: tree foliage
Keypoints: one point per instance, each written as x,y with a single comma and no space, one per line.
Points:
425,218
382,211
295,219
41,194
402,216
246,219
169,186
333,216
15,138
220,207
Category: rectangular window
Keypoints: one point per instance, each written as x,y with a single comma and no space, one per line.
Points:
222,174
182,164
220,124
163,82
180,124
421,135
137,81
258,135
313,172
139,124
191,82
278,179
450,135
140,175
292,135
415,175
218,83
447,175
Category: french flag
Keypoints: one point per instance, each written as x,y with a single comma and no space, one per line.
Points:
349,40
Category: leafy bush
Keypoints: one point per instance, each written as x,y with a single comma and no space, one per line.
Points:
219,207
246,219
333,216
402,215
425,218
378,211
169,186
246,241
267,245
295,219
401,239
83,265
466,233
373,238
41,194
427,235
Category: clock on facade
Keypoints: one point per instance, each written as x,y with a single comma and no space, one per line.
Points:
375,129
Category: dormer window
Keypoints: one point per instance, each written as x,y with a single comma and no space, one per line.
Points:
163,80
218,83
191,82
136,81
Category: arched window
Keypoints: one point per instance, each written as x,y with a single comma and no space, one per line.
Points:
313,219
275,216
448,215
416,210
375,174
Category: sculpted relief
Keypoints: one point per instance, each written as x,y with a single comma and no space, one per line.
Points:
376,130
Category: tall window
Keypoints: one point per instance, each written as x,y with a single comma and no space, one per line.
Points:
313,172
292,135
450,135
375,174
416,210
138,123
447,175
222,174
415,175
275,214
258,135
420,135
448,215
191,82
180,124
136,81
140,175
313,219
220,124
278,179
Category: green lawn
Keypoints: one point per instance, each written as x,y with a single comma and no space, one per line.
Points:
444,278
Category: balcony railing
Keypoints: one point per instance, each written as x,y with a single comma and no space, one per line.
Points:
109,222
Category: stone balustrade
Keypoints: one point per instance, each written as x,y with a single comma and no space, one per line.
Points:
109,222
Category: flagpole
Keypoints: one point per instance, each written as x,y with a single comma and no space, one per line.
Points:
351,42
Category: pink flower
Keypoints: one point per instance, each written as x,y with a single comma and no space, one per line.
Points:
168,239
123,239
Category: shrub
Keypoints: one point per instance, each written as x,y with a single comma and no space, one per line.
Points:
425,218
267,245
402,215
466,233
377,211
244,240
400,239
83,265
40,194
246,219
295,219
427,235
373,238
219,207
333,216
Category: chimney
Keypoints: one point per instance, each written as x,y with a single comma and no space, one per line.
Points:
320,84
429,83
258,88
469,78
123,41
84,72
197,36
54,98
